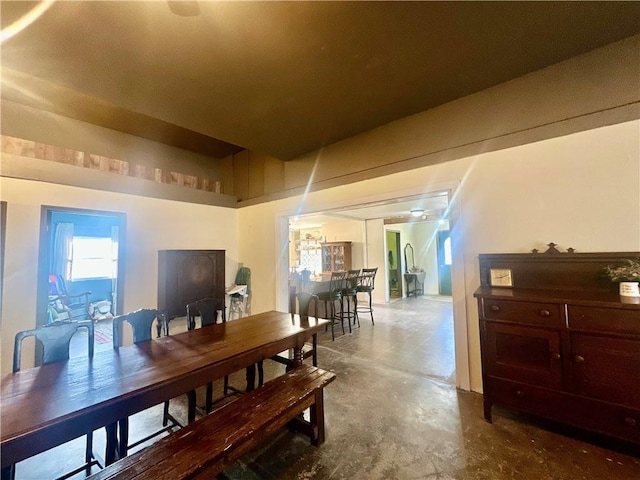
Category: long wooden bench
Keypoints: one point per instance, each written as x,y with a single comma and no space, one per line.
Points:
207,446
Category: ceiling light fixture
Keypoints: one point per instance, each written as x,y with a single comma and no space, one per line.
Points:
417,212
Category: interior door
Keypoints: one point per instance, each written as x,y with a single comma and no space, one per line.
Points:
88,254
444,262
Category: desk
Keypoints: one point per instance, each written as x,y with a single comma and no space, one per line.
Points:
46,406
415,283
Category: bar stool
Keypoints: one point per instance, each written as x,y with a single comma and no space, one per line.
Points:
330,297
366,283
350,293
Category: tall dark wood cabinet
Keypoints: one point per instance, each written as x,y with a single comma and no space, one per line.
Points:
188,275
561,343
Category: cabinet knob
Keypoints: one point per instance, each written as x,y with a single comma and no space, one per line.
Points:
578,358
495,308
555,356
519,393
630,421
545,313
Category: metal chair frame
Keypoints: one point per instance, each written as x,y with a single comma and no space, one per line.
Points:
330,297
366,284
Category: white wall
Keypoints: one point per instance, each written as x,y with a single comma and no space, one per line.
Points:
342,230
152,225
581,191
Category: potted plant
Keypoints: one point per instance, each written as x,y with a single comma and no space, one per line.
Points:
628,274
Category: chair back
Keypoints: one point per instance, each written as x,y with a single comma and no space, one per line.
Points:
243,277
207,309
54,340
367,279
337,282
352,279
141,322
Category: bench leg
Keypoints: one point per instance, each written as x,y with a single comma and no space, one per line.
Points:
317,419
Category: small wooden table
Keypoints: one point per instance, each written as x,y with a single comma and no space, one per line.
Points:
415,283
46,406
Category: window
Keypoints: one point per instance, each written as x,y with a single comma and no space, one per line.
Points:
93,257
447,251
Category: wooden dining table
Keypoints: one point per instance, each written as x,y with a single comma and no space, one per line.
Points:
46,406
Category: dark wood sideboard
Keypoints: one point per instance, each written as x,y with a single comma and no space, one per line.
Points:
561,343
188,275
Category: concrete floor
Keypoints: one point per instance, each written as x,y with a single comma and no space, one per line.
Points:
394,413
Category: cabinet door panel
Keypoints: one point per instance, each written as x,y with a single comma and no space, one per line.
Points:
525,354
606,368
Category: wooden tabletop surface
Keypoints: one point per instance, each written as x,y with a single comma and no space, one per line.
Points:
46,406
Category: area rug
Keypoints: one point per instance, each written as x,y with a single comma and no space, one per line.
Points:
102,334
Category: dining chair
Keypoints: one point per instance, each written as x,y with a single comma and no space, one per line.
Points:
54,341
141,322
330,297
206,310
366,284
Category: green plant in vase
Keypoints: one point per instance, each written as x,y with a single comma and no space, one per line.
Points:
627,274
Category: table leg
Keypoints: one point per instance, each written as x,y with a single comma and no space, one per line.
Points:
251,378
112,443
297,357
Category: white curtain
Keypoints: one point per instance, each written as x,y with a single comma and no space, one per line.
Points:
63,250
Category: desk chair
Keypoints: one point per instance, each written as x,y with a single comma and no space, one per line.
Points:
330,297
53,341
141,322
207,309
366,283
304,301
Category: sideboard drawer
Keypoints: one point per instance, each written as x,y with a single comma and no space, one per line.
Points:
602,319
532,313
584,412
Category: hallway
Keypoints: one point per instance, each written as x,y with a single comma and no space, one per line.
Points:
394,413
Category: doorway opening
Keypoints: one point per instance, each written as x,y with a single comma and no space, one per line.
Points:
366,225
394,273
80,269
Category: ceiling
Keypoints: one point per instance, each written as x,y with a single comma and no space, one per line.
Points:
433,207
283,78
